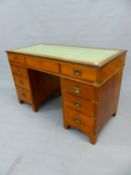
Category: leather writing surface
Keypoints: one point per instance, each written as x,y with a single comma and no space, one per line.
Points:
94,56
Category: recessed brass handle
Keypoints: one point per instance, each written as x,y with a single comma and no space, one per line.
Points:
77,120
77,103
77,90
18,72
77,72
16,59
21,82
24,94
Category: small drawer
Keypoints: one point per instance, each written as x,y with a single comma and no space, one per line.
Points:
78,120
24,83
78,89
79,71
16,58
19,71
80,105
24,94
43,64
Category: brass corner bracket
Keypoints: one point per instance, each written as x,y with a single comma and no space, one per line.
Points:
96,84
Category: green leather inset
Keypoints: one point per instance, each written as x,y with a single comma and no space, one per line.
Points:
68,53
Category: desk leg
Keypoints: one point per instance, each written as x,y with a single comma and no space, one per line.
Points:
34,108
114,114
20,101
66,125
93,139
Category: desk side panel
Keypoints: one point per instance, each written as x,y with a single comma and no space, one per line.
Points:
110,69
108,96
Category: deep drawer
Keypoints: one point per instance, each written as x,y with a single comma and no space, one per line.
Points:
78,89
80,105
19,71
78,120
24,94
24,83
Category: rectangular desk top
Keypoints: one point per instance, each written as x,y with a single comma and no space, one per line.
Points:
83,55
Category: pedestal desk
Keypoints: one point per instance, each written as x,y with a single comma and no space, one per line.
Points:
89,80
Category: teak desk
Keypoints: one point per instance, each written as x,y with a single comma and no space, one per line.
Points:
89,80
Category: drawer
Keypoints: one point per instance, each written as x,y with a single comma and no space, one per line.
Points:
24,94
79,71
16,58
19,71
78,89
24,83
80,105
78,120
42,64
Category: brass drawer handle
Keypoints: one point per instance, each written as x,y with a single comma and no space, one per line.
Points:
16,59
77,72
77,90
18,72
77,103
23,94
77,120
21,82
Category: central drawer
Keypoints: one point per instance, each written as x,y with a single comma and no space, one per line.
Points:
42,64
78,89
80,105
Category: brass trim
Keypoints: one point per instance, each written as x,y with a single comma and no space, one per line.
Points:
18,72
21,82
96,84
23,94
77,90
94,101
77,103
77,72
77,120
16,59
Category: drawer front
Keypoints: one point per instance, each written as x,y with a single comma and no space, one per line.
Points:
19,71
78,89
78,120
24,83
24,94
16,58
79,104
79,71
43,64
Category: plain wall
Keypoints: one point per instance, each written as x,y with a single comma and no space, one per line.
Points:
103,23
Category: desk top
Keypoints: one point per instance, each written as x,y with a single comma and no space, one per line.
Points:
82,55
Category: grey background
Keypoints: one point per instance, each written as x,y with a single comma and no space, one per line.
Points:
36,143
